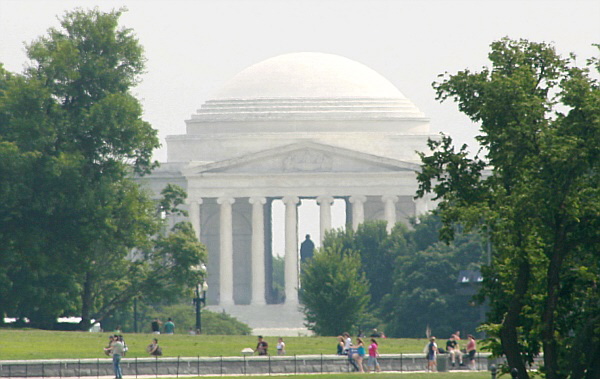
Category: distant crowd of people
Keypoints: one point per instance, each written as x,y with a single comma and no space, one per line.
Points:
355,351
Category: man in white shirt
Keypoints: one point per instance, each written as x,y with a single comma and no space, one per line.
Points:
117,348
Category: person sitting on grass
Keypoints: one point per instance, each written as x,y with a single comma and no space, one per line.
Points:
154,349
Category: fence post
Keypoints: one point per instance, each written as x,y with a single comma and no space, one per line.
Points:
156,365
97,368
401,362
221,365
177,372
198,364
136,367
269,365
321,363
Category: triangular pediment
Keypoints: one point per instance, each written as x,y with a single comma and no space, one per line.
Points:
305,157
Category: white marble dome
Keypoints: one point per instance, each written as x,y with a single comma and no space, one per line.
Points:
307,86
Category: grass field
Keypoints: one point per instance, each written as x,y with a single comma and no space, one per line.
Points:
435,375
39,344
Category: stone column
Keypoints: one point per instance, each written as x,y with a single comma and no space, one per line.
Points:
421,208
195,216
226,251
390,210
358,210
324,214
258,250
291,249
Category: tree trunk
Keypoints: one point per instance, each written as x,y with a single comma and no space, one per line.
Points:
548,319
509,331
86,303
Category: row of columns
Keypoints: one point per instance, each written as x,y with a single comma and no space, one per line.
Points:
291,239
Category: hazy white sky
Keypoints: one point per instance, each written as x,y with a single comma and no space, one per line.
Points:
194,47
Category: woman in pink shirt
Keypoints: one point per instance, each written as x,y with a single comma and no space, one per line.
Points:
373,354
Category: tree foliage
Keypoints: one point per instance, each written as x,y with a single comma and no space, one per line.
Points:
335,292
539,118
425,292
213,323
70,136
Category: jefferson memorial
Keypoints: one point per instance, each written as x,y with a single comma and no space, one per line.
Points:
296,127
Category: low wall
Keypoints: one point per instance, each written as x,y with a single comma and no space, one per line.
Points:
197,366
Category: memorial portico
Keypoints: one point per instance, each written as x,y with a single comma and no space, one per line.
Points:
295,127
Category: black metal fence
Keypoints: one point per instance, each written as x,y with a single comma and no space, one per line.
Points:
197,366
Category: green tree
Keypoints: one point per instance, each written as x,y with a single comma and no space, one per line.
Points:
161,268
335,291
539,117
372,242
71,213
425,291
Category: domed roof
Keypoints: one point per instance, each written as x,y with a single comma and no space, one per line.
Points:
302,75
307,86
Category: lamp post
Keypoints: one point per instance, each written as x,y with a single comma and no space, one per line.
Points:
200,300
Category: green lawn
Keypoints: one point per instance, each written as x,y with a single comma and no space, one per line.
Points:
39,344
436,375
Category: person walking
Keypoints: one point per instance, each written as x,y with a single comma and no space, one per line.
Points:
471,350
352,353
360,354
116,349
372,363
432,351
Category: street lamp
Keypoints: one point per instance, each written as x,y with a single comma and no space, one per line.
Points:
201,288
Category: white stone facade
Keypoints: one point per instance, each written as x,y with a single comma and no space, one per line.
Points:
298,126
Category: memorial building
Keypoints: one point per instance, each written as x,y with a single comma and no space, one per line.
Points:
294,127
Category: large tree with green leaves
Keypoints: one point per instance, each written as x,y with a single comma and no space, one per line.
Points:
72,134
335,291
425,291
534,190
